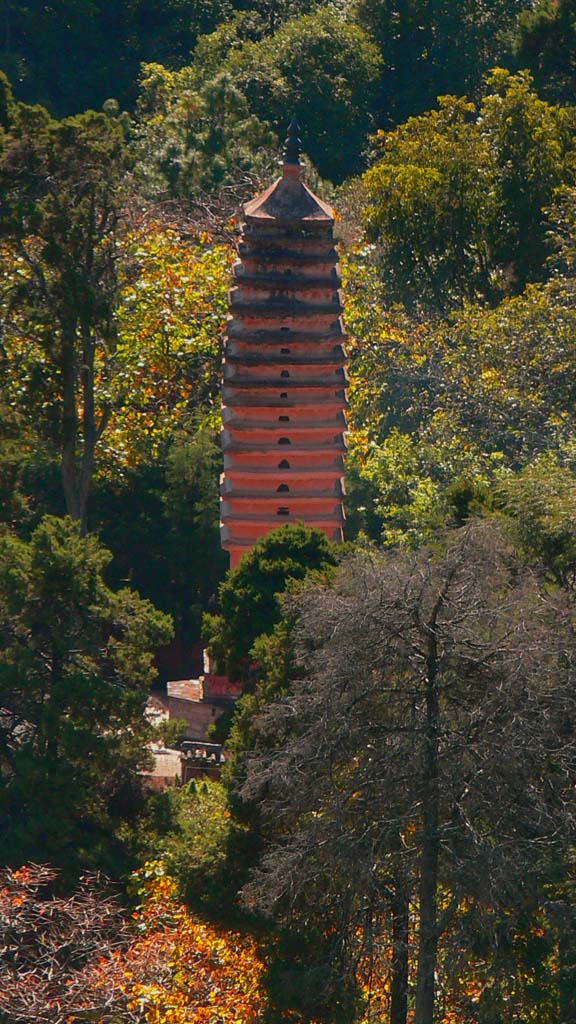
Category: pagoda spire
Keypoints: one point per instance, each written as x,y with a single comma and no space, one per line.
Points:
292,145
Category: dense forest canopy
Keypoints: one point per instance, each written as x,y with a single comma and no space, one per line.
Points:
392,836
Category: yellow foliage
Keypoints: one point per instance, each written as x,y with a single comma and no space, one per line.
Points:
181,969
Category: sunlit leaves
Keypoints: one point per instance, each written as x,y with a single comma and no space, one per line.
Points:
195,134
457,196
181,968
82,958
170,319
166,358
462,400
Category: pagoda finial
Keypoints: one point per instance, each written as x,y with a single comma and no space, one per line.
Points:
292,148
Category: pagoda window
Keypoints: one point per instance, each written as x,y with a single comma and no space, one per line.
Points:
284,419
283,394
285,351
284,464
285,373
282,487
284,440
283,511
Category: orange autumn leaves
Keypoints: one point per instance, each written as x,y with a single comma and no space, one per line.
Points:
79,958
170,321
195,972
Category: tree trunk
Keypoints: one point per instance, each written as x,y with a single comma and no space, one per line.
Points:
89,430
399,981
428,929
77,472
567,959
69,420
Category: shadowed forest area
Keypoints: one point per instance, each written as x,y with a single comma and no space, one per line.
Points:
392,837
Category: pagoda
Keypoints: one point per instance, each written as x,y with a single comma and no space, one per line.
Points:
284,376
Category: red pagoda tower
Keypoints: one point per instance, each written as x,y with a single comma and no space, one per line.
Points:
284,368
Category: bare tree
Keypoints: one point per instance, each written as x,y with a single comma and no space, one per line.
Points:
427,754
53,946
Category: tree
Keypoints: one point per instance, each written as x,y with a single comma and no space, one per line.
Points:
457,197
436,408
52,943
539,504
63,187
161,520
204,849
429,204
248,595
169,320
196,135
406,761
75,669
69,54
431,49
545,43
83,957
533,145
325,69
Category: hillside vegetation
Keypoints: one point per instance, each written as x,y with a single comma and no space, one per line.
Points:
393,836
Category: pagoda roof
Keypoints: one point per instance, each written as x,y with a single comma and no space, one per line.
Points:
288,200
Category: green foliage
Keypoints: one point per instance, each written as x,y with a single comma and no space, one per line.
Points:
532,143
562,235
169,732
196,136
213,49
430,49
325,69
305,980
430,203
546,43
511,373
457,197
540,504
487,391
7,105
75,669
161,520
213,123
63,184
205,848
70,54
248,596
274,658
